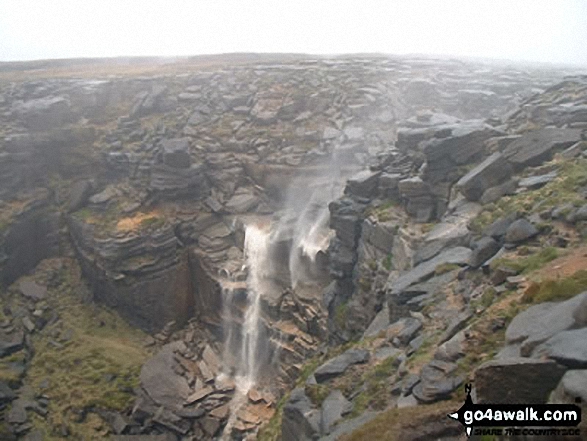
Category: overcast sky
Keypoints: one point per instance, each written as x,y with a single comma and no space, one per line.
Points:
532,30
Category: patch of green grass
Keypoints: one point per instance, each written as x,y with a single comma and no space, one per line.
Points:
340,315
317,393
556,290
388,426
152,223
530,263
387,262
308,369
97,367
376,383
572,175
272,430
445,268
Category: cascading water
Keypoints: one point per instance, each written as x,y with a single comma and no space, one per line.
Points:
258,265
249,351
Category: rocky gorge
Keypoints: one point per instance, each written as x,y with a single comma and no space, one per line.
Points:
288,247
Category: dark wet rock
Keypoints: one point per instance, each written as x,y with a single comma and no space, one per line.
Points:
483,250
301,421
176,152
334,408
491,172
535,147
519,231
33,235
540,322
363,184
568,348
340,364
11,343
160,381
517,380
437,381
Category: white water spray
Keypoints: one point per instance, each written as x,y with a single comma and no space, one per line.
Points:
259,266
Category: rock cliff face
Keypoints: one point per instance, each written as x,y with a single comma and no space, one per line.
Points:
367,173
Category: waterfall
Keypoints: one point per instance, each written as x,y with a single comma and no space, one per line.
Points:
258,265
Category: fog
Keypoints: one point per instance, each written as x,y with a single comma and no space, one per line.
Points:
530,30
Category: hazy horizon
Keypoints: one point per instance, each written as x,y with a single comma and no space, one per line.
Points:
529,31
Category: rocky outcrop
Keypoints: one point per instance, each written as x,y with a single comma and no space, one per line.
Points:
143,275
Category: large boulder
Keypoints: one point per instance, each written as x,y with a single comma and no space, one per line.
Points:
334,408
363,184
519,231
535,147
516,380
457,256
301,420
161,382
437,381
483,250
540,322
491,172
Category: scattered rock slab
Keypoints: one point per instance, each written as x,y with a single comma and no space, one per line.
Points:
535,147
334,407
32,290
491,172
519,231
457,255
568,348
340,364
437,381
540,322
160,381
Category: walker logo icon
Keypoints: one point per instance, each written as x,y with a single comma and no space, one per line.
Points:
489,419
